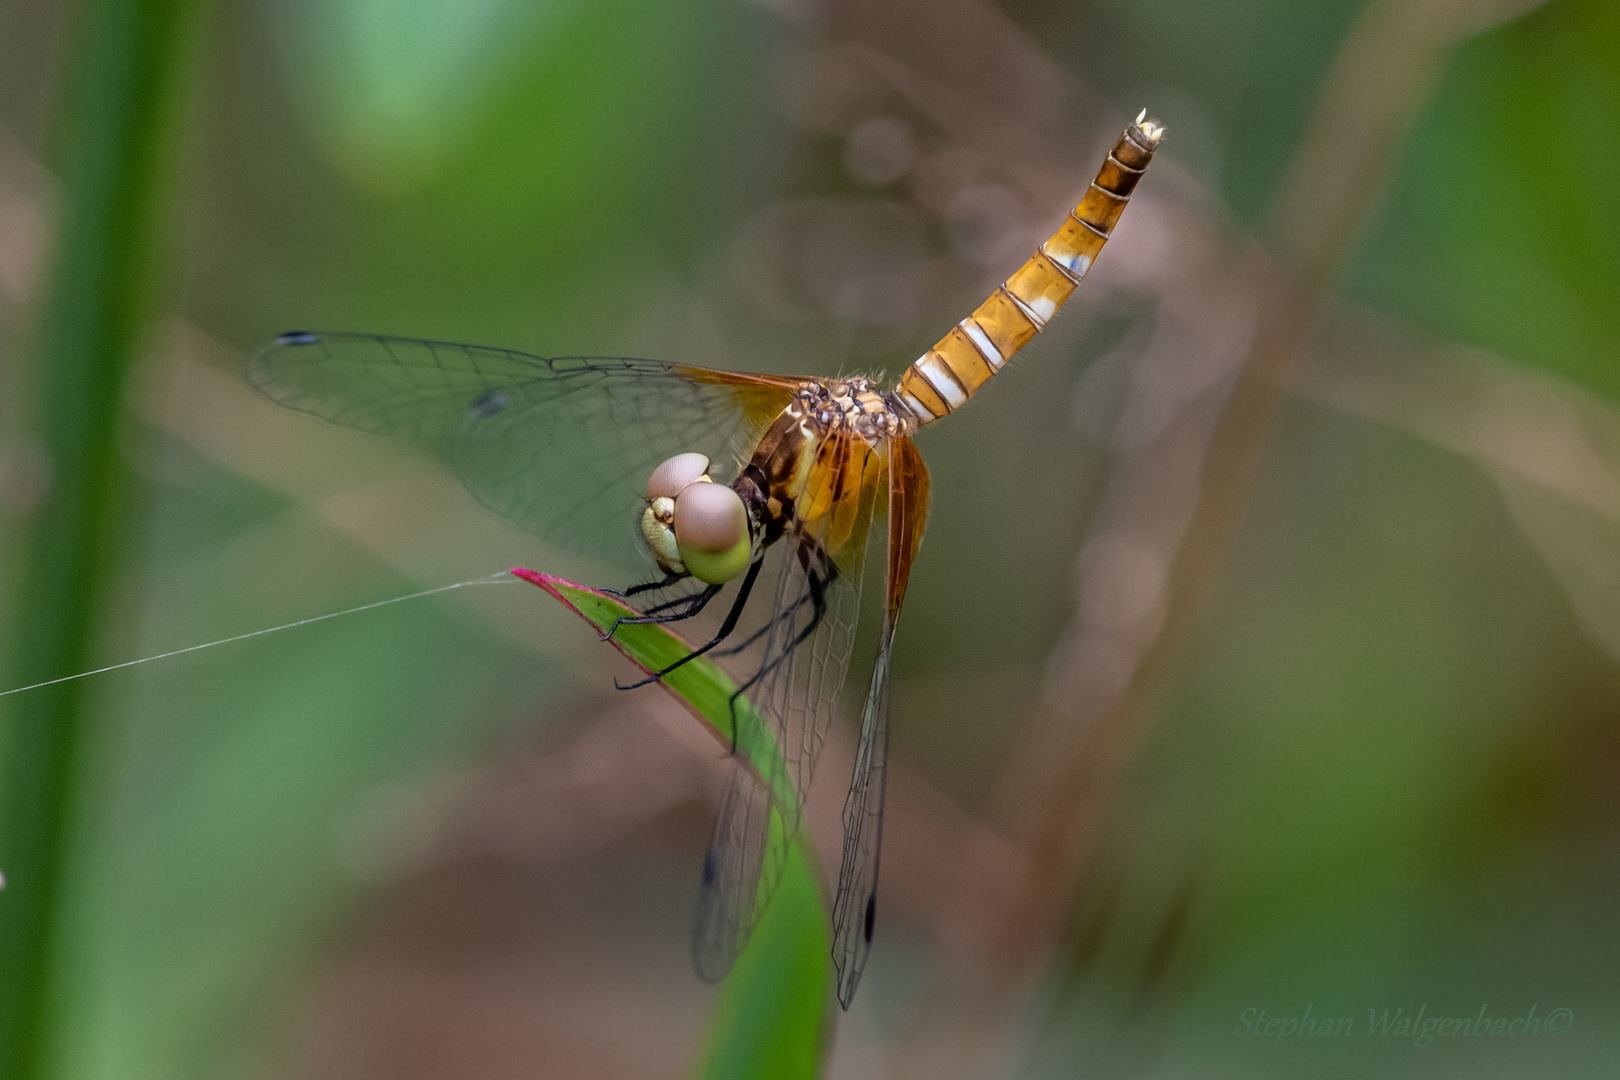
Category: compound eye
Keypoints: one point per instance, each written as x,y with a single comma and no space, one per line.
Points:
675,475
711,530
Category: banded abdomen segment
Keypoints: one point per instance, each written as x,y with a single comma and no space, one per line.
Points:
947,375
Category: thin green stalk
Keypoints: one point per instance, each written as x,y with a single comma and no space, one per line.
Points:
114,151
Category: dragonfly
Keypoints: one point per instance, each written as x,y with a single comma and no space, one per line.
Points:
730,479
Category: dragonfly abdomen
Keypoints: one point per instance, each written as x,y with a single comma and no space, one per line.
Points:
945,376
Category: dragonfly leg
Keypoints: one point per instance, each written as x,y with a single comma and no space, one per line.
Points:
668,604
694,604
646,586
725,629
817,595
809,595
733,650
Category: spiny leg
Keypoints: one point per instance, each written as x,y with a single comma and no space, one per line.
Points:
806,597
647,586
818,600
661,613
684,598
725,628
733,650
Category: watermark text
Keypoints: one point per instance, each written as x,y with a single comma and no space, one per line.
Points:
1421,1027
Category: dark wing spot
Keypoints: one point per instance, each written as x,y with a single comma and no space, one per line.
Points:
871,915
487,405
297,337
710,870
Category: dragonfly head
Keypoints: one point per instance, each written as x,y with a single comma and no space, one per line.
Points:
693,525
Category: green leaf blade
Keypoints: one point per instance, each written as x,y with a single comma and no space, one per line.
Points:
774,1015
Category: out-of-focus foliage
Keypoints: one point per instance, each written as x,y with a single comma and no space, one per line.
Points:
1501,228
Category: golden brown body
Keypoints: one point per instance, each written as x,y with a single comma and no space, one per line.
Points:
828,454
944,377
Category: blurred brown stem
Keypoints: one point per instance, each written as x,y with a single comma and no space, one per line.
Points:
1370,98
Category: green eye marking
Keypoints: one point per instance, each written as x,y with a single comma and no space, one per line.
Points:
716,567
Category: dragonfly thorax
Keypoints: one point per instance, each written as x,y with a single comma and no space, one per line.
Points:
853,404
820,453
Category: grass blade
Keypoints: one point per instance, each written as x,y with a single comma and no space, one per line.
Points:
116,148
774,1014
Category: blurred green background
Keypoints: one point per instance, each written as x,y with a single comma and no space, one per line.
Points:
1262,654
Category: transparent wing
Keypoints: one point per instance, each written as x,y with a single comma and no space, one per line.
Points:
855,903
729,901
799,658
562,446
